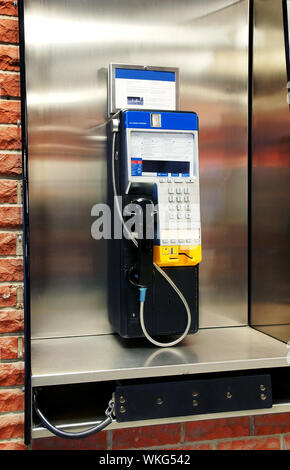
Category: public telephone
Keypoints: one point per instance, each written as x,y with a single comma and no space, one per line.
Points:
154,270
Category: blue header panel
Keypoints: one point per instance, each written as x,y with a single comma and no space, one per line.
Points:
138,74
169,120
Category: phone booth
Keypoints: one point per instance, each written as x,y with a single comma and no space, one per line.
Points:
156,202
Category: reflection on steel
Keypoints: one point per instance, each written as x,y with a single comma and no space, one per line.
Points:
69,46
271,174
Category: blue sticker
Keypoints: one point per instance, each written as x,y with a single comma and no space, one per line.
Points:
136,166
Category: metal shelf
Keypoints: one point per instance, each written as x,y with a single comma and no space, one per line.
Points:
57,361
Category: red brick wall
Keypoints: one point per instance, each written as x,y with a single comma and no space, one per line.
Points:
265,432
262,432
11,259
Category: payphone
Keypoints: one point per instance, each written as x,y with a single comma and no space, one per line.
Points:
153,268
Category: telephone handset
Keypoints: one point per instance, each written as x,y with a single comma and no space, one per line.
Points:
158,169
141,274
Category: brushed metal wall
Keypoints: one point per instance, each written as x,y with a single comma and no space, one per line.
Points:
271,174
69,46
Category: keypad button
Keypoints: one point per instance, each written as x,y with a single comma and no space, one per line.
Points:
162,180
173,241
171,190
188,215
172,215
181,241
178,181
187,198
171,198
188,207
179,207
189,241
178,190
180,215
186,190
170,180
179,198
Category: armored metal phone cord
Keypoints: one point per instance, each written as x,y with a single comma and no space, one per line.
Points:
163,273
74,435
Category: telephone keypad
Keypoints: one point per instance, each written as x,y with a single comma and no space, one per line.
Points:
179,212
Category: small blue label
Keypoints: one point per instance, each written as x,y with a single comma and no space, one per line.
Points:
136,166
162,174
185,175
175,175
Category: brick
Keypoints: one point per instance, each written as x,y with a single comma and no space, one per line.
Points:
9,30
8,348
7,7
8,192
11,426
7,244
10,138
7,296
271,424
216,429
9,58
11,321
10,112
148,436
11,374
287,442
10,164
196,446
269,443
95,442
11,400
10,217
11,270
10,85
13,445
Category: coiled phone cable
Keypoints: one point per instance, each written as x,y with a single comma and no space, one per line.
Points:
143,290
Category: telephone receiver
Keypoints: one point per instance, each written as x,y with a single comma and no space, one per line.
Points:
141,274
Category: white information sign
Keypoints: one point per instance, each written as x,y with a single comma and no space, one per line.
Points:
143,89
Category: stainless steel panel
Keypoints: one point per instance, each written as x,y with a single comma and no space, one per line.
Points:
107,357
69,46
38,432
271,174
